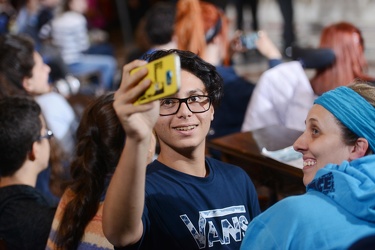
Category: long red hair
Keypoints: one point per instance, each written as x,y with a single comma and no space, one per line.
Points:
347,43
194,19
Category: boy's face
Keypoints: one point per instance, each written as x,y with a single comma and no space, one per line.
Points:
185,130
38,84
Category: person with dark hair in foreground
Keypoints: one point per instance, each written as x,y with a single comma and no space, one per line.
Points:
25,214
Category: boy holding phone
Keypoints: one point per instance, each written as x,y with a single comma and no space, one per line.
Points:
183,200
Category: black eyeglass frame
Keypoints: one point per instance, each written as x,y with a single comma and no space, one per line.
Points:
185,100
48,135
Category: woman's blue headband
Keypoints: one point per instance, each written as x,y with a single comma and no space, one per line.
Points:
352,110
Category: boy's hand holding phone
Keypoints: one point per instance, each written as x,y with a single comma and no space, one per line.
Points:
137,120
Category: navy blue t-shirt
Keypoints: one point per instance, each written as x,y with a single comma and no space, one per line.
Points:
188,212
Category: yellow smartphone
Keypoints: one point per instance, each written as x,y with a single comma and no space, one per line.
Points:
164,74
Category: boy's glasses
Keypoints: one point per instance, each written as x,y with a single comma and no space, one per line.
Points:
48,135
195,103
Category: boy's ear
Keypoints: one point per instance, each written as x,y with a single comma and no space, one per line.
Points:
26,84
31,154
359,149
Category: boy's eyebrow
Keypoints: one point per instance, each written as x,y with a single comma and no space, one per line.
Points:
189,93
194,91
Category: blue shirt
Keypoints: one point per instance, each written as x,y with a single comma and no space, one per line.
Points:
337,210
188,212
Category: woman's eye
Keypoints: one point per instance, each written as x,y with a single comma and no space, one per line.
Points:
314,131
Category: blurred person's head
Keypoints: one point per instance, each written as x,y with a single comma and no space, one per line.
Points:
80,6
18,4
348,45
159,23
23,136
22,70
202,28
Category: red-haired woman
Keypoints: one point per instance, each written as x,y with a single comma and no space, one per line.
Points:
348,45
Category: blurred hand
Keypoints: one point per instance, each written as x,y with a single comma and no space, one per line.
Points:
266,47
235,44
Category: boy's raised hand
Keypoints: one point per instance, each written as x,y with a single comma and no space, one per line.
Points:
137,120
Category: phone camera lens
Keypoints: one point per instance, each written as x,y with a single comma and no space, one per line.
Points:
169,76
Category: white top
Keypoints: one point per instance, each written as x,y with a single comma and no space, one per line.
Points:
60,118
69,33
282,96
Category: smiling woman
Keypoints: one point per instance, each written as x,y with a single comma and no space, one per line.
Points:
321,143
339,174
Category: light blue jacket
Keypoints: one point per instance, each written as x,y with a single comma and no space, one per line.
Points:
337,210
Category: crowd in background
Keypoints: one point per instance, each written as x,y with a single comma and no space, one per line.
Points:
81,166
